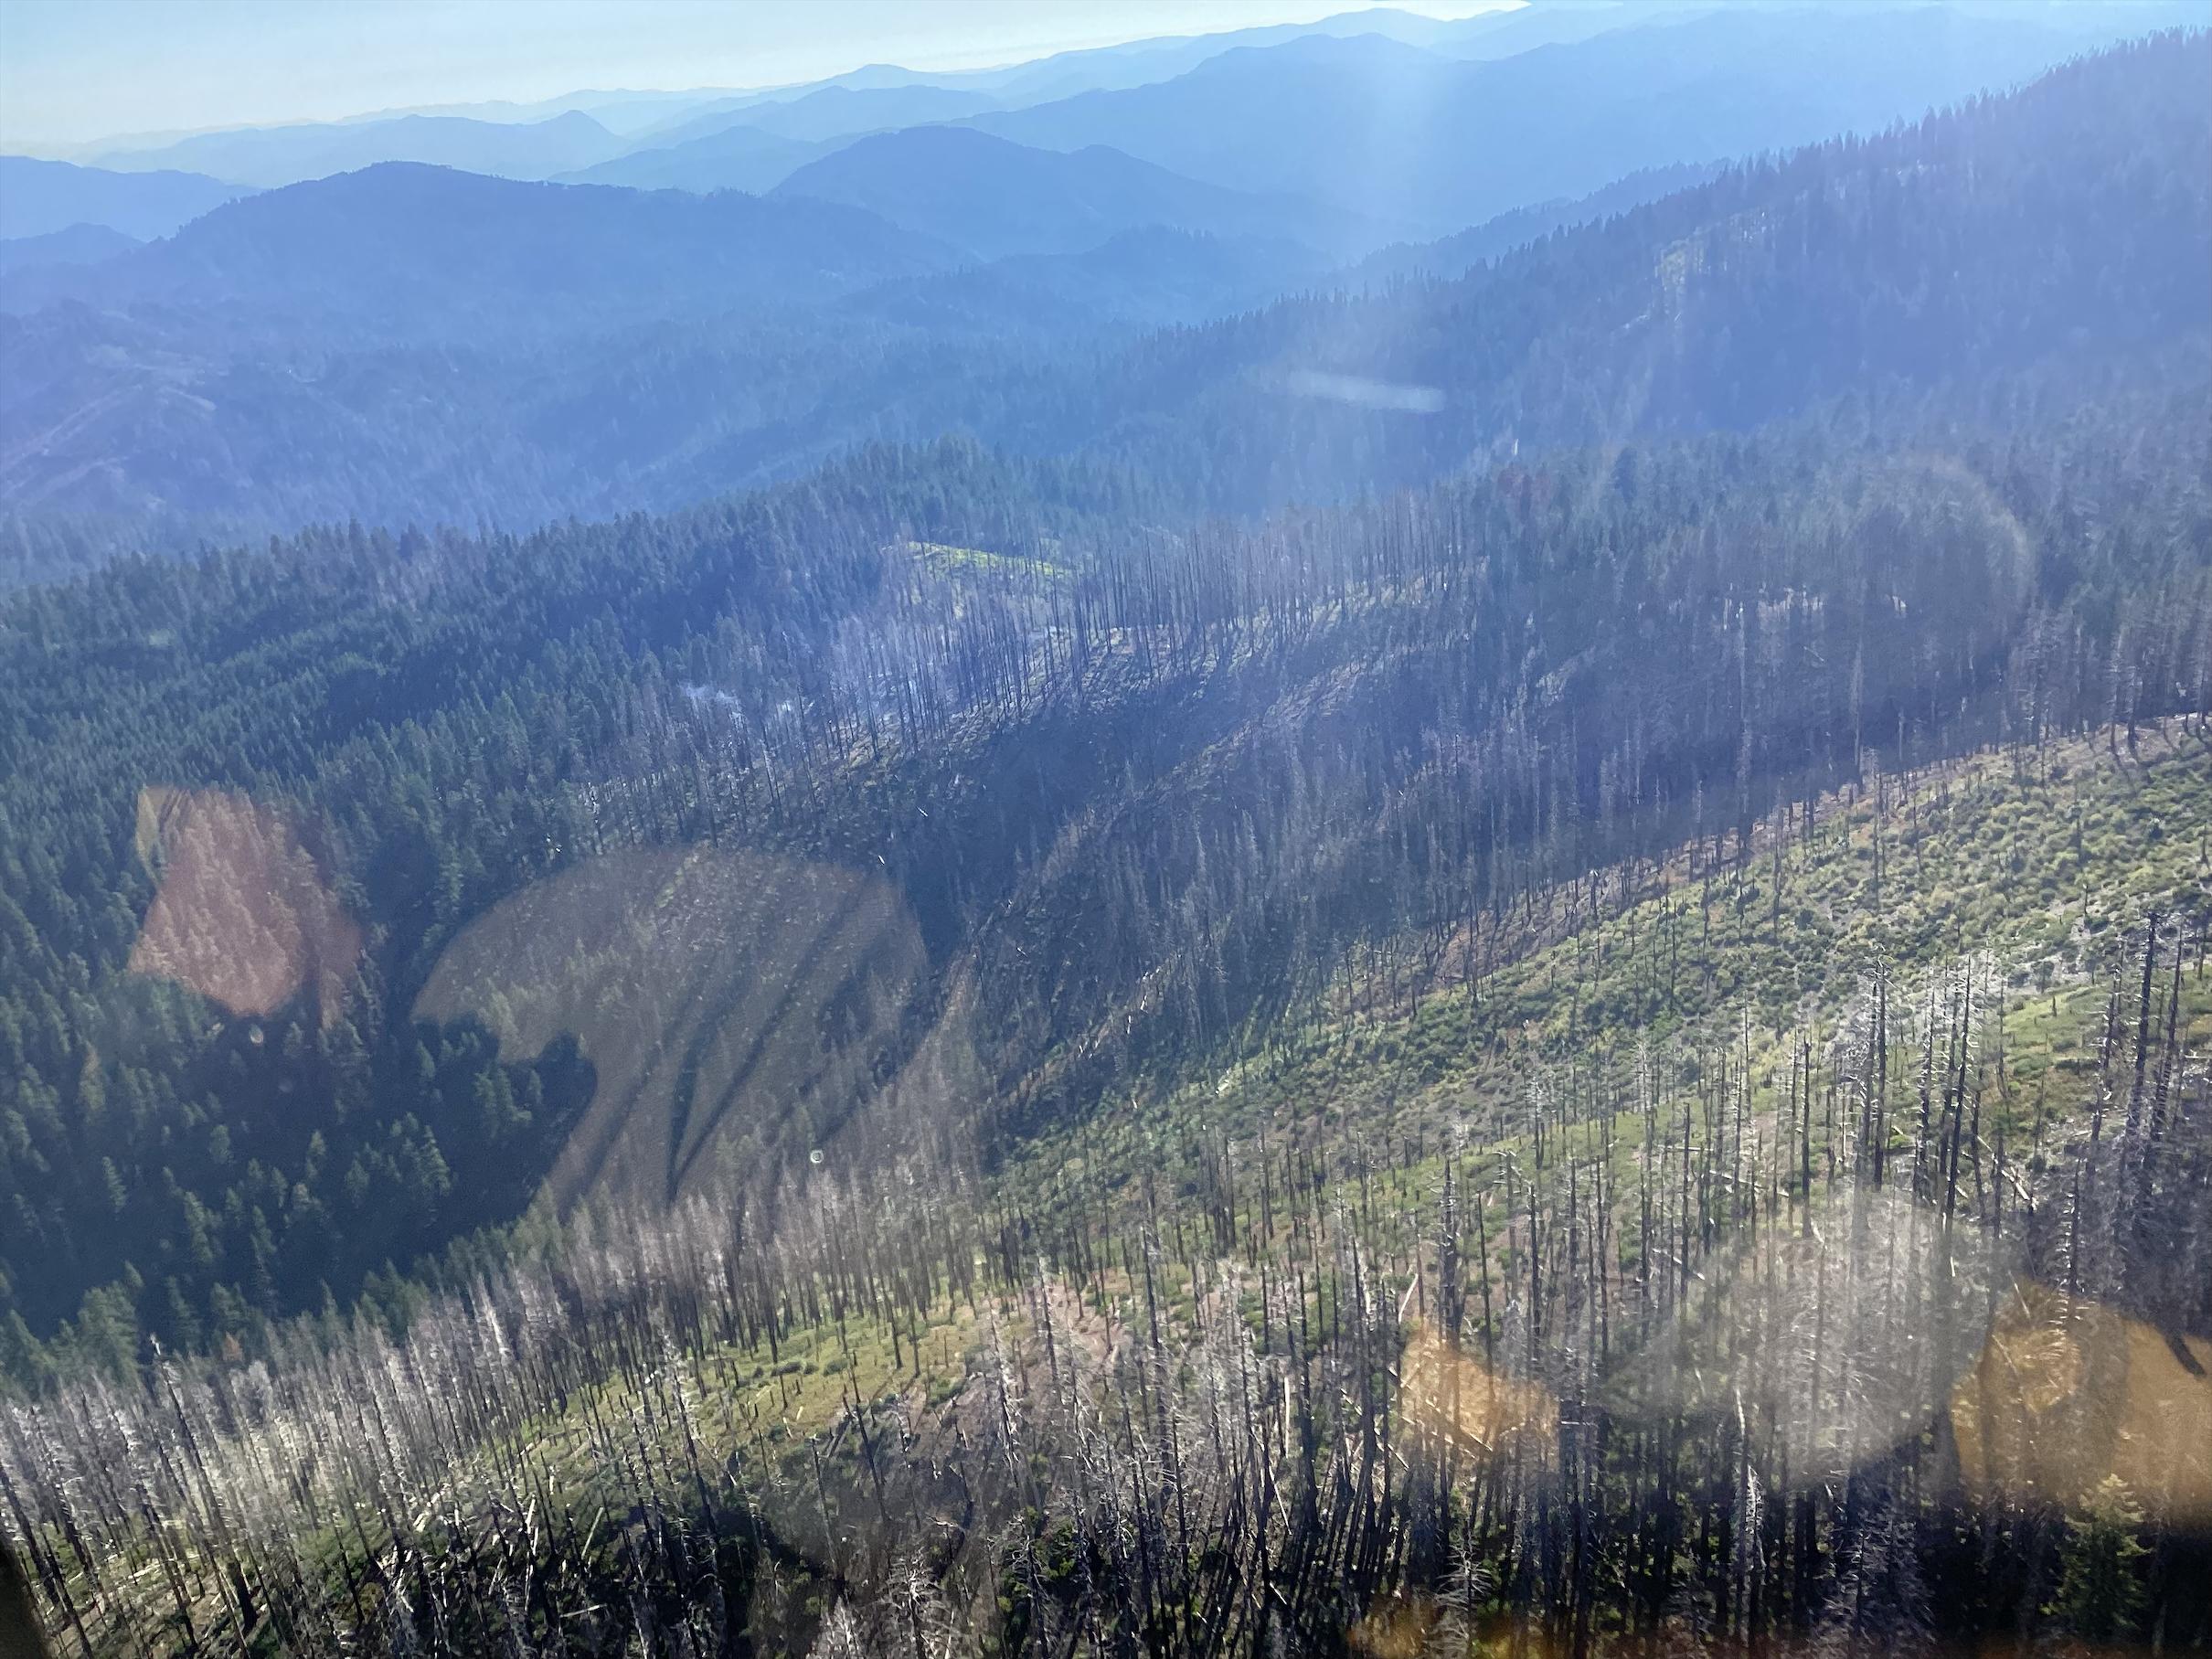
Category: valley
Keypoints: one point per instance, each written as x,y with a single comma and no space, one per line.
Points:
1387,835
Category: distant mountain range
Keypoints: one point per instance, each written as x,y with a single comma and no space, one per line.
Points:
662,119
400,251
1397,131
2058,226
1399,117
40,197
736,157
76,246
832,111
995,197
269,157
411,344
1136,279
1494,33
1450,123
754,142
408,341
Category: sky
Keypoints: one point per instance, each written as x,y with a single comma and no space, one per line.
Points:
74,71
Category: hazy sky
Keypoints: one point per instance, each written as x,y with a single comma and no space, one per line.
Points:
74,70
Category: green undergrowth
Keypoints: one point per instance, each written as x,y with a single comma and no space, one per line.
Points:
1693,986
2027,867
941,557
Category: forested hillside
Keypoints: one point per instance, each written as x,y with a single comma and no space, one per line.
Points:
1495,949
1624,1311
1242,749
2018,230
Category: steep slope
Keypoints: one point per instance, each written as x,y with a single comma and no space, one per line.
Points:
1123,790
995,198
1391,129
266,156
1631,1183
40,197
